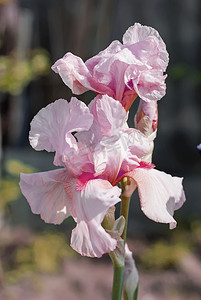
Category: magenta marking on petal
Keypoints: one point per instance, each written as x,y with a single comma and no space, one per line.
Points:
130,85
146,165
82,181
120,174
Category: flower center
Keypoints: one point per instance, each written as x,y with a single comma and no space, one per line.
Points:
82,181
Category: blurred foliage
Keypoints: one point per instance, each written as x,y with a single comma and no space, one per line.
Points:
15,167
179,71
4,1
45,253
196,229
183,70
15,73
9,191
9,184
165,254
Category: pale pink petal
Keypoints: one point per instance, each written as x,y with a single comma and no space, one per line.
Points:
109,67
90,239
109,114
72,70
45,194
120,152
160,194
103,136
107,72
148,84
117,155
139,33
77,76
108,158
109,118
138,144
79,161
51,128
126,153
88,204
112,49
111,70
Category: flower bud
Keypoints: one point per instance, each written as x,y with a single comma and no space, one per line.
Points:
146,118
131,277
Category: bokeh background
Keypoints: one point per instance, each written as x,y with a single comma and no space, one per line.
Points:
36,261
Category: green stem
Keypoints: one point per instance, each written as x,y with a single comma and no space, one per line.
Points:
118,272
119,269
125,203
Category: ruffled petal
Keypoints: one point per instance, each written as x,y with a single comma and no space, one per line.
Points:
45,194
88,203
104,134
108,157
51,128
160,194
138,144
77,76
109,115
72,70
106,72
139,33
110,70
150,85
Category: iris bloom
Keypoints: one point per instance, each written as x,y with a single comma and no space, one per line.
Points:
93,161
121,71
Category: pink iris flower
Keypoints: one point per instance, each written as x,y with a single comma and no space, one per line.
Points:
93,161
121,71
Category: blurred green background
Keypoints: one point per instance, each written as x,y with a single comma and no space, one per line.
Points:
35,258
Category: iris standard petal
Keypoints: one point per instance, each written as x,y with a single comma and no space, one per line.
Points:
109,117
52,126
116,71
138,33
77,76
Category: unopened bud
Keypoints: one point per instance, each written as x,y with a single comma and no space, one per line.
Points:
146,118
131,277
